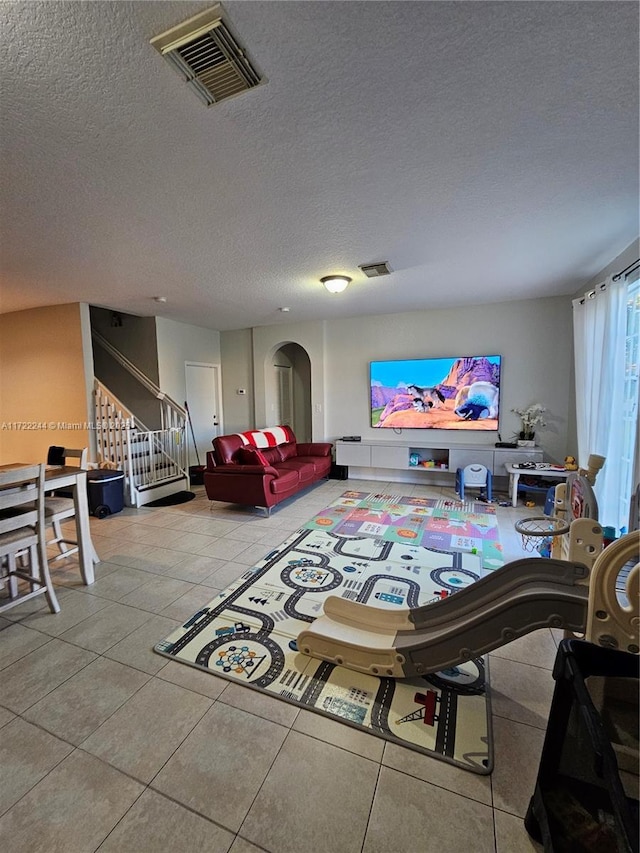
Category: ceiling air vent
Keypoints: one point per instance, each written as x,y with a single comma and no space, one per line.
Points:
375,270
208,56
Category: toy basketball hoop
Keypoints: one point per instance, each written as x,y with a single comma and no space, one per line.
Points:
538,531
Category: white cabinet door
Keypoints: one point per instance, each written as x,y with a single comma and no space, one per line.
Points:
389,456
460,457
353,453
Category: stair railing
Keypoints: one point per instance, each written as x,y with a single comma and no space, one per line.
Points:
172,415
157,456
147,456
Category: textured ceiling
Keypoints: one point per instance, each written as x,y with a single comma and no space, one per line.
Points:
488,151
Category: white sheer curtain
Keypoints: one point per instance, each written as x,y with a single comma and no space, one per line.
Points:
599,328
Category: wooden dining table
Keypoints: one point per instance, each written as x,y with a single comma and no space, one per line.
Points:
64,477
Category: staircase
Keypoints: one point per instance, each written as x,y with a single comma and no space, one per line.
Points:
154,461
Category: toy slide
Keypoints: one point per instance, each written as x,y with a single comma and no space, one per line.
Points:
521,597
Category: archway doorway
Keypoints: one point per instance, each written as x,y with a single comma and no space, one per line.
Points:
291,389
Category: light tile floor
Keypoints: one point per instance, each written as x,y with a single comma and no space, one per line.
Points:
107,746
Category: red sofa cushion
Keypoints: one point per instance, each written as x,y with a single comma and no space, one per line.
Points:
304,467
271,454
286,481
320,464
287,451
225,446
250,456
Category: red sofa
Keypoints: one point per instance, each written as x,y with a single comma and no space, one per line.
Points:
263,467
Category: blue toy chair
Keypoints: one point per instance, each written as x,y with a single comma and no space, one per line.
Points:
474,477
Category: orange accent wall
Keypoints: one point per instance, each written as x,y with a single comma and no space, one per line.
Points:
42,383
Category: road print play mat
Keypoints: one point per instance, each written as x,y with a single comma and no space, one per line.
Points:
391,551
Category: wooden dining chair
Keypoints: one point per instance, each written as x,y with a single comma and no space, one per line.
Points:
67,456
60,507
81,455
22,531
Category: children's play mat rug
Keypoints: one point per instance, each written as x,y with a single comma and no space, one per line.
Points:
389,550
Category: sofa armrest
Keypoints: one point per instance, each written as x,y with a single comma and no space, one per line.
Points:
211,460
317,448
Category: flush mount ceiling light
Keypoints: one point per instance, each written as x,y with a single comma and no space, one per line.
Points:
336,283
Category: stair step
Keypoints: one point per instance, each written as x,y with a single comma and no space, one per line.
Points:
148,486
145,454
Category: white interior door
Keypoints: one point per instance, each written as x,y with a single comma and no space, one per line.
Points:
284,401
205,407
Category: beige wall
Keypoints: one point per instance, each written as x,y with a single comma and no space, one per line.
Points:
237,375
179,343
533,337
266,341
42,382
135,338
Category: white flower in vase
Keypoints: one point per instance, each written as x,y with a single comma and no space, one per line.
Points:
530,418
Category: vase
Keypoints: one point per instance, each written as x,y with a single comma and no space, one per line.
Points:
526,439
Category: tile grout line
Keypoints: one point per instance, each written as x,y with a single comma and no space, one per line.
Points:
157,675
260,787
51,769
371,805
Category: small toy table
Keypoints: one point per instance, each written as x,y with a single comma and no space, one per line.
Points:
541,469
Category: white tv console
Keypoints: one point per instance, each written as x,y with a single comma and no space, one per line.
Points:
372,453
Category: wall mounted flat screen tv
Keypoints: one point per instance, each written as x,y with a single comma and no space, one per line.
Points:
436,393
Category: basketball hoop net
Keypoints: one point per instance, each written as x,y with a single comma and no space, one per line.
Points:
538,531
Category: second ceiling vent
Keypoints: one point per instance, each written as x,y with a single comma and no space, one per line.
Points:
206,53
375,270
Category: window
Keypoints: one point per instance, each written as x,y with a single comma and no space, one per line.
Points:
631,392
607,353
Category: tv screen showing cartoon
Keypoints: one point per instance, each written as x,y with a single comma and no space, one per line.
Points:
436,393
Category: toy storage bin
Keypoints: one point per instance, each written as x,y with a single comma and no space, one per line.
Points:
586,794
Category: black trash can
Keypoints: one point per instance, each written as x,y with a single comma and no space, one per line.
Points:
105,491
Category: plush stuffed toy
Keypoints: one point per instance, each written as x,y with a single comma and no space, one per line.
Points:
570,463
